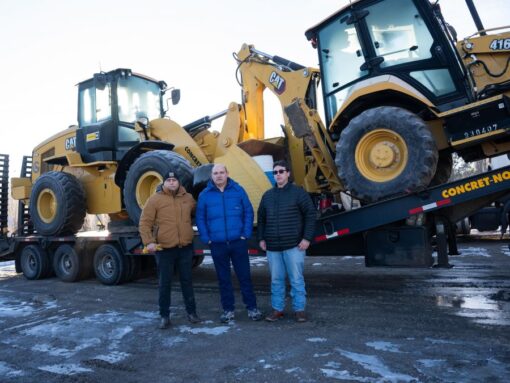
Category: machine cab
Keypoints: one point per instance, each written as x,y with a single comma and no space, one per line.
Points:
368,40
109,104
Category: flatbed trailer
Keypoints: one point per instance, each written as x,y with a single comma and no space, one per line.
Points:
393,232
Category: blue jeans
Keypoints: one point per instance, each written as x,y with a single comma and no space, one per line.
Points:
236,252
287,262
180,258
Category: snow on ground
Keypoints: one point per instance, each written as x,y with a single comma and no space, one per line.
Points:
10,308
293,370
65,369
345,375
383,346
473,251
113,357
375,365
321,355
64,352
204,330
7,269
173,341
8,371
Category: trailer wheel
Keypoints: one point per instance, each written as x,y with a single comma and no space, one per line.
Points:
464,226
57,204
147,173
35,263
385,151
443,170
197,261
110,265
69,265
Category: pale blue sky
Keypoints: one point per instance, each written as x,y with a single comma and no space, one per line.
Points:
47,46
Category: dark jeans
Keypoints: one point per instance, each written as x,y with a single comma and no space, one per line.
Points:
167,260
237,252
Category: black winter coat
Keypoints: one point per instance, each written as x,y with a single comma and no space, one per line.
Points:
285,217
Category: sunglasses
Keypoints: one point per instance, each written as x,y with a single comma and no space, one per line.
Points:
279,171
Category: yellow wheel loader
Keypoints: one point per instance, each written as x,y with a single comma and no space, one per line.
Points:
121,150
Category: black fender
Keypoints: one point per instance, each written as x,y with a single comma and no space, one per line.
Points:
133,153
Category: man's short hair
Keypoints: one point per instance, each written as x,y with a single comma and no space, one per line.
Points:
219,165
281,163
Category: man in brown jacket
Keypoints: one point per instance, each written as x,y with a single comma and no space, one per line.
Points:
166,221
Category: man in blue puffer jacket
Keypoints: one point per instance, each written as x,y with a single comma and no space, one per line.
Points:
224,217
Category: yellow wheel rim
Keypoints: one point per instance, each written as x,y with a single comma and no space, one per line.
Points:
47,205
146,186
381,155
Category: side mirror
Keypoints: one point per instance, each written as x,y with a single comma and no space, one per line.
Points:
175,95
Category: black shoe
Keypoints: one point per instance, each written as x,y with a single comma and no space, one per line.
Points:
193,318
164,323
255,314
227,316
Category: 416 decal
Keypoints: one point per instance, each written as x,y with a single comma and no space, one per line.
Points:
500,44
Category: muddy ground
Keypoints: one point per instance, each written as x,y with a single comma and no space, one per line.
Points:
365,325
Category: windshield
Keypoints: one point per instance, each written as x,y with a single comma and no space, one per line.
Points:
340,58
400,37
138,97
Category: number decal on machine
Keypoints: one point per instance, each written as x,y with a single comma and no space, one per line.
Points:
500,44
477,132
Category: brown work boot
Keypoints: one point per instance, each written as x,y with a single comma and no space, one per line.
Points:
300,316
274,316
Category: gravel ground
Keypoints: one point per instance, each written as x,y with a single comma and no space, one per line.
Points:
365,325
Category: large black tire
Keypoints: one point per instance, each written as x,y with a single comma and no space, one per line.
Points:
35,262
110,265
70,265
410,165
147,173
444,169
57,204
201,176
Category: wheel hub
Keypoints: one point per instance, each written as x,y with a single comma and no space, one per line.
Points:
47,205
32,263
146,186
381,155
107,266
66,263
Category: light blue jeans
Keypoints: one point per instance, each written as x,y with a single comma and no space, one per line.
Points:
287,262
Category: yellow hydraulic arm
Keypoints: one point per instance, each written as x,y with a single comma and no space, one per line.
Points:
294,85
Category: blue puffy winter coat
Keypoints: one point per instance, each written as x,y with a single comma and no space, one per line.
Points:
224,216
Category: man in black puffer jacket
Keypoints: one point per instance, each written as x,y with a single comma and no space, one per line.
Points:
285,226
